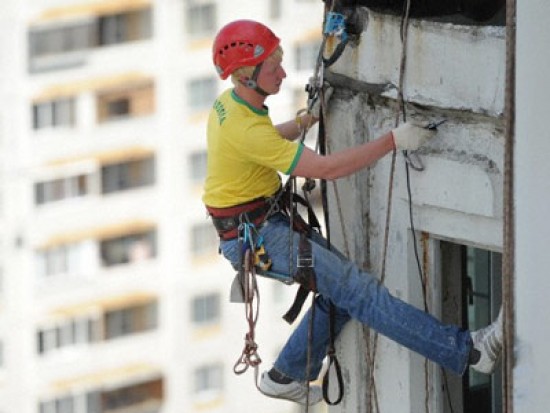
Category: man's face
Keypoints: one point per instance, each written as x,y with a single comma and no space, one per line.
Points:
271,75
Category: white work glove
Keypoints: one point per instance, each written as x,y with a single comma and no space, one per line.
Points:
316,108
410,136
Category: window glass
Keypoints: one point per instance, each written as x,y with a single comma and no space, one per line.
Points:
306,55
202,93
128,248
127,175
201,19
55,113
111,29
65,405
275,9
127,101
130,320
197,166
208,378
118,107
53,41
60,189
206,309
471,297
204,239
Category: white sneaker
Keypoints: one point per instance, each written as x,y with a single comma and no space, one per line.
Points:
293,391
488,341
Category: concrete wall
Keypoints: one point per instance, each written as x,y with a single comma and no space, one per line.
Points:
532,189
453,72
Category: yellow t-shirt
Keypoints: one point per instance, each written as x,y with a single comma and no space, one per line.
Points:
245,153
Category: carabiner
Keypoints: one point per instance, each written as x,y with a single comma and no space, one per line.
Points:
415,164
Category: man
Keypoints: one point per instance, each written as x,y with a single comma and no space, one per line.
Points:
245,153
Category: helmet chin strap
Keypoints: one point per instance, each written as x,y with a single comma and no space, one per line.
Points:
252,82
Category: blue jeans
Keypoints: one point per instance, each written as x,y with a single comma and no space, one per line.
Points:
356,294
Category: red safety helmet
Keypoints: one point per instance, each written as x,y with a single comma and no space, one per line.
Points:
242,43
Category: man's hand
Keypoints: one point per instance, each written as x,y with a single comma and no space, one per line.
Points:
410,136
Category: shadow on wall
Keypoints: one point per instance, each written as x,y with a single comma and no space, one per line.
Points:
480,11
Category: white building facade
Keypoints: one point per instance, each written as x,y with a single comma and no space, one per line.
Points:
112,296
445,249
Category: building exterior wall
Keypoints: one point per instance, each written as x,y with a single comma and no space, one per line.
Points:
454,72
531,197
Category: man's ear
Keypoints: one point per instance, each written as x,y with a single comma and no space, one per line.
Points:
249,83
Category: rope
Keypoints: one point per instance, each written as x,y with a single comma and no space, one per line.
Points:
371,356
249,356
509,215
316,92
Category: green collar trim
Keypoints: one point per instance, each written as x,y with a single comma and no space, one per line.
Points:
238,99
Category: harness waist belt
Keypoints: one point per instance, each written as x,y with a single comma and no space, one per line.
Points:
227,220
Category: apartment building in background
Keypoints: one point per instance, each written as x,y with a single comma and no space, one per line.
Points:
113,297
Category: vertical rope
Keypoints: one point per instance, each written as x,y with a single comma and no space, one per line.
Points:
371,356
509,213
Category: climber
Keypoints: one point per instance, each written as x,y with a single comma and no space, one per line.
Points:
245,153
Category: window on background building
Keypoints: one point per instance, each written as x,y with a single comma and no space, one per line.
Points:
472,298
197,166
62,259
124,27
208,379
61,189
92,328
128,248
62,404
130,320
118,107
126,102
206,309
57,40
127,175
299,98
201,93
67,333
132,395
204,239
275,9
306,54
143,395
54,114
54,261
56,46
201,19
